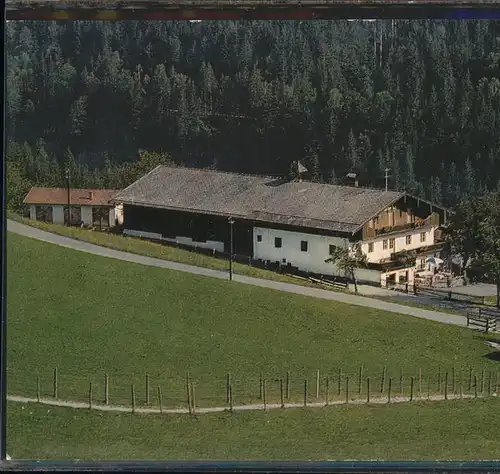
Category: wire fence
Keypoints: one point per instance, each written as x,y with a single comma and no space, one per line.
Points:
176,392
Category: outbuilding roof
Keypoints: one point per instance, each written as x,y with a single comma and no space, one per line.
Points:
258,198
80,197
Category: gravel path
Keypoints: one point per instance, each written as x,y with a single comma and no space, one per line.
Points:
270,406
32,232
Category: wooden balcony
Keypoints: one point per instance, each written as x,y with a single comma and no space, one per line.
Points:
371,233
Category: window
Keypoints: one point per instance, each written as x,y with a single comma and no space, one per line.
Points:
331,249
408,240
277,242
44,214
422,236
259,238
384,244
392,243
303,246
370,247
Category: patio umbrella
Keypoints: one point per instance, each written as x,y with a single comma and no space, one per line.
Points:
434,261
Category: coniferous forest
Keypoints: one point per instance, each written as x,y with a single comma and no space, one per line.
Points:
421,98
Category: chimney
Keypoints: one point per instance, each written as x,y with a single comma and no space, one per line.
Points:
91,195
301,169
353,176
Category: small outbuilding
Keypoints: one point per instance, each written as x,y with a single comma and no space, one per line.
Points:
90,207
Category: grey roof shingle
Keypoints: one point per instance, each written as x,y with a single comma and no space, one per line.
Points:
265,199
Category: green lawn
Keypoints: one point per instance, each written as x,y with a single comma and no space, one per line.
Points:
164,252
89,315
453,430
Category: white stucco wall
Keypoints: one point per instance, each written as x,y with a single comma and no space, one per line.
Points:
313,260
58,214
400,243
209,244
367,275
86,215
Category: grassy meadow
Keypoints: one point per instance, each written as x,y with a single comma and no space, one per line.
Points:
89,316
453,430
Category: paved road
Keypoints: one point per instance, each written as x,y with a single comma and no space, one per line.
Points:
32,232
260,406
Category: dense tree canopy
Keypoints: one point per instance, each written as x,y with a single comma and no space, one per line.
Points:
474,235
421,98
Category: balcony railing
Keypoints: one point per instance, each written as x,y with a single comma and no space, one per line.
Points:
430,221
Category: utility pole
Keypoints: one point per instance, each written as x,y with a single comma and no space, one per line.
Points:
386,179
68,176
231,222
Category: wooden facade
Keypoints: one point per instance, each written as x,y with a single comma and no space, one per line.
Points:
408,213
200,227
204,227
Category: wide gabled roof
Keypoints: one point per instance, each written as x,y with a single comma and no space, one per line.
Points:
80,197
258,198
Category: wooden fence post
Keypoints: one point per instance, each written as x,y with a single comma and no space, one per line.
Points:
288,385
55,383
133,398
147,389
482,381
230,397
188,393
347,389
470,379
282,394
340,383
496,383
411,389
193,398
38,388
368,390
160,401
264,393
419,380
429,389
382,381
261,386
389,391
475,386
446,386
439,389
305,392
360,384
90,396
401,389
326,390
317,384
461,389
106,389
453,380
228,384
489,383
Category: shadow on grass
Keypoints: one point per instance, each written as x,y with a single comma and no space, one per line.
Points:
495,356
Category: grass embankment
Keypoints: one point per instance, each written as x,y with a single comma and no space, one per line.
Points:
88,315
163,252
453,430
